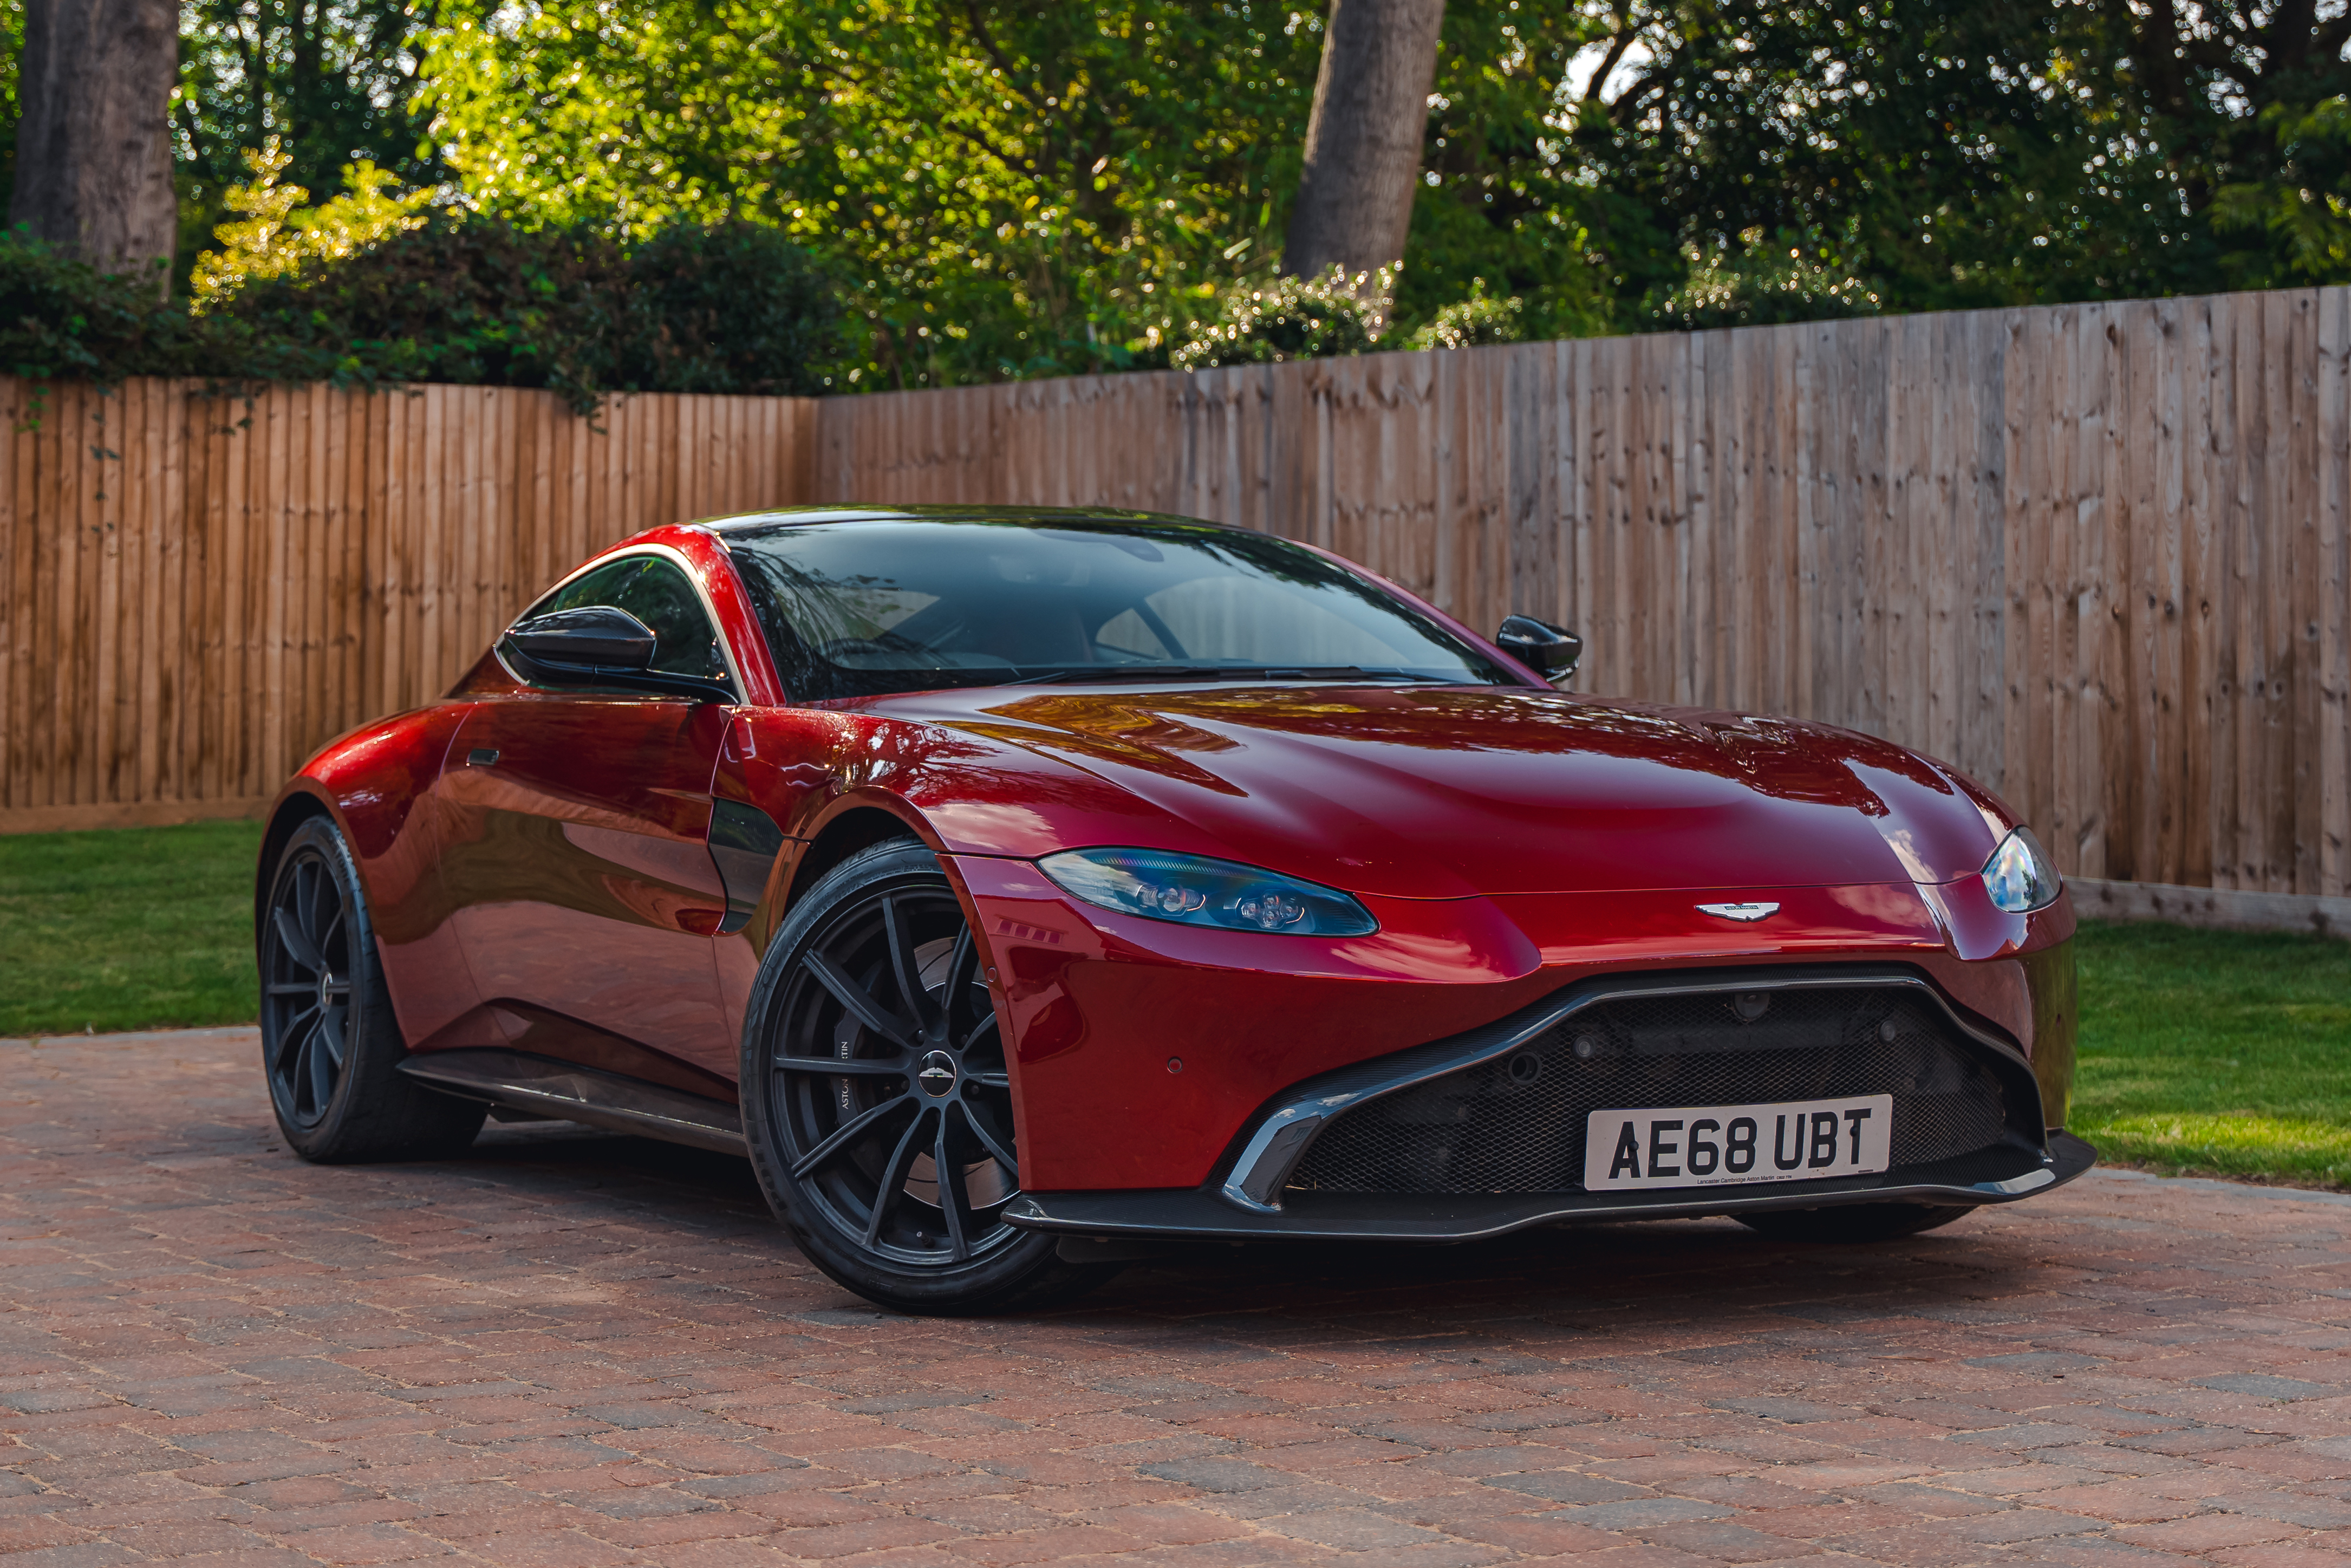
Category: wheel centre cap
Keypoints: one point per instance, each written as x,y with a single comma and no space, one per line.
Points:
936,1074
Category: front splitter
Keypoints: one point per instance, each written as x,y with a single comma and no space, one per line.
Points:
1200,1213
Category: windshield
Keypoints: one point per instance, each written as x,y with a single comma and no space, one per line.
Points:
856,609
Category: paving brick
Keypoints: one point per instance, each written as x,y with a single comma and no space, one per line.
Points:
2023,1524
2281,1555
1169,1524
1635,1512
1051,1544
567,1348
2207,1533
1726,1541
1351,1529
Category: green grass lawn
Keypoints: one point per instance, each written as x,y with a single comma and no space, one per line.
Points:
2216,1052
127,928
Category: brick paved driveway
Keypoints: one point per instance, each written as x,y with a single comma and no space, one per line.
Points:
571,1349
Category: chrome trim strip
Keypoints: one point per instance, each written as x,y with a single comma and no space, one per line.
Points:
1292,1122
570,1093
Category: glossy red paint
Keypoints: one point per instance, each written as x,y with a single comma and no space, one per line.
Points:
1438,792
577,869
381,785
1508,839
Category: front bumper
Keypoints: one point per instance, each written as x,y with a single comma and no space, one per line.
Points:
1273,1180
1201,1214
1141,1049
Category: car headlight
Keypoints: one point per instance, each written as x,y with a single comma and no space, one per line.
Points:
1193,890
2019,876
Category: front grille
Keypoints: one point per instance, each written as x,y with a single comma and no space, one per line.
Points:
1516,1123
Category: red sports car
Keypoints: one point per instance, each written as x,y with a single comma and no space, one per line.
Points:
1021,889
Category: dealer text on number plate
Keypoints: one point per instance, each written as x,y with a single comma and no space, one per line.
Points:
1726,1145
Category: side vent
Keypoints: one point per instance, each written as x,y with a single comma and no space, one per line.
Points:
744,844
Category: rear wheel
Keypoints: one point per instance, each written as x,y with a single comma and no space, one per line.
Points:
330,1046
1853,1222
877,1103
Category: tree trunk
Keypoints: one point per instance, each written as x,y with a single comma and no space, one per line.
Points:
94,145
1363,143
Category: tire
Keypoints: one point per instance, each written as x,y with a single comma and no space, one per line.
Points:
330,1048
893,1175
1853,1222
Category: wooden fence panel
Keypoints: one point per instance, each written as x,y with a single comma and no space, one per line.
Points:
195,591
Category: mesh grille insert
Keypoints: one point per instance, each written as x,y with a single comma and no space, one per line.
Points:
1515,1124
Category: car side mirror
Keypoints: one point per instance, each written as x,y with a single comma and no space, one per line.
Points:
597,638
1551,651
601,645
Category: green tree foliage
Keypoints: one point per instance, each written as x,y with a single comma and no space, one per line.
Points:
12,49
1025,190
1012,189
332,82
1506,206
274,233
1734,160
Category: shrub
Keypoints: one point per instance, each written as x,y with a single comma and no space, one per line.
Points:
62,319
1761,287
731,309
735,309
1288,319
461,300
1480,318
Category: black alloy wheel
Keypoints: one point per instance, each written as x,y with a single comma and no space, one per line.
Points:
305,989
877,1102
330,1048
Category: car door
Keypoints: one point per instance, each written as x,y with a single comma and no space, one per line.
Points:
580,881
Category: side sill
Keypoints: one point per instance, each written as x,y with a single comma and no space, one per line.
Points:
571,1093
1202,1213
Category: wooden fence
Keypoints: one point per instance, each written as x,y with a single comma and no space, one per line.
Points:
2097,555
196,591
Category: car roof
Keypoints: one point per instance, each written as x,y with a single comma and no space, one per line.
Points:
794,517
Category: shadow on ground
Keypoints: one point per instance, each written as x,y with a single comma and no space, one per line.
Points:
1965,1266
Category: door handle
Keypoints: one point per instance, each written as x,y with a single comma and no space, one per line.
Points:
482,756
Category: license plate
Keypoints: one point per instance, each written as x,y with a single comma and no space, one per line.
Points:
1729,1146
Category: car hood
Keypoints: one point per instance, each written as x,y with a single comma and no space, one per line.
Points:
1445,792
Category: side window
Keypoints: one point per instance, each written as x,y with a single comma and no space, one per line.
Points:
657,592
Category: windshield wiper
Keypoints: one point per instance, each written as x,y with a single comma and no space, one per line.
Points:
1085,673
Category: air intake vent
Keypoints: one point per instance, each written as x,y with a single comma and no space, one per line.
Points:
1516,1123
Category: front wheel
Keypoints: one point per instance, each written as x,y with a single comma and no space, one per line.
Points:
330,1049
1853,1222
877,1103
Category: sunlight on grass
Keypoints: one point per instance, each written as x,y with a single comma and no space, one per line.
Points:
2238,1144
127,928
2220,1053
